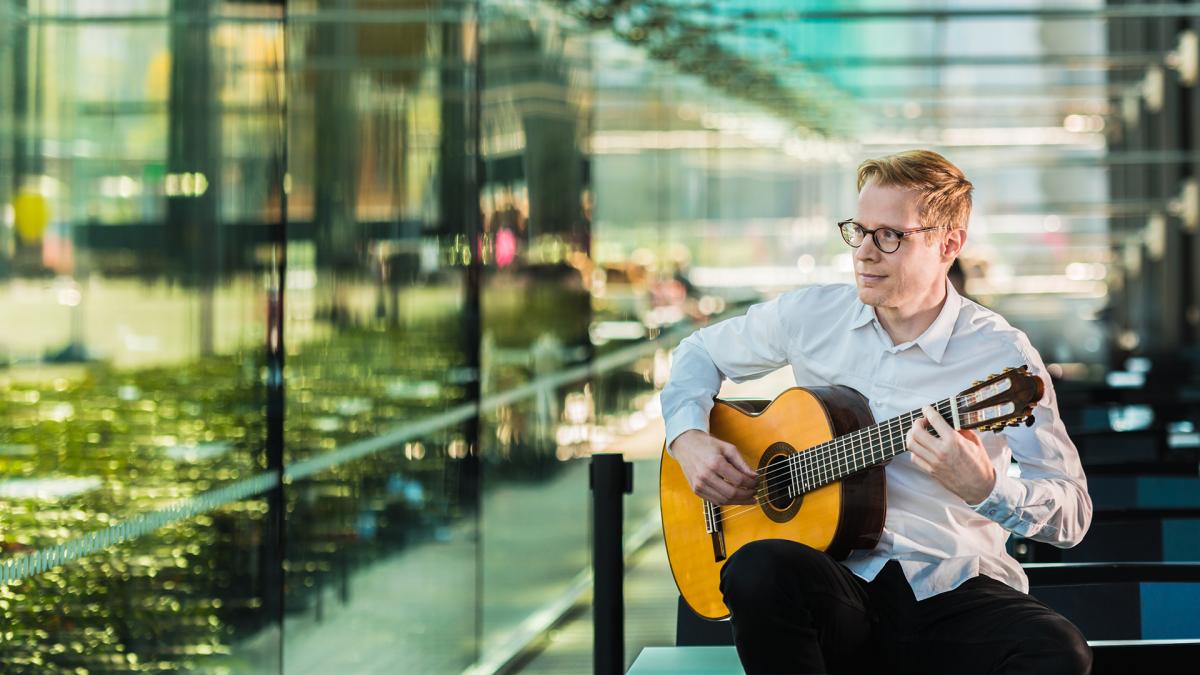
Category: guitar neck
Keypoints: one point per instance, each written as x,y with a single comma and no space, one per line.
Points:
858,450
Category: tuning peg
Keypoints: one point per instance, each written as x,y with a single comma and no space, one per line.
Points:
1029,421
976,383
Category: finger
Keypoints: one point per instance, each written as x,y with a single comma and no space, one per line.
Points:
729,473
741,493
735,471
910,439
970,435
927,455
730,452
744,497
922,464
741,496
705,493
920,432
717,485
919,435
718,470
716,498
935,419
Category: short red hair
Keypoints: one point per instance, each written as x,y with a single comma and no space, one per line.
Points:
945,193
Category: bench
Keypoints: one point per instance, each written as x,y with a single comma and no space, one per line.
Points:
1134,614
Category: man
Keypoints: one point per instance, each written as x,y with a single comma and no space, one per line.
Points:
939,593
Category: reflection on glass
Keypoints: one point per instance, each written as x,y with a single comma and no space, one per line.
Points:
312,239
131,286
382,550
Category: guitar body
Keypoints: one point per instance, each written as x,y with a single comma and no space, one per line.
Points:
835,518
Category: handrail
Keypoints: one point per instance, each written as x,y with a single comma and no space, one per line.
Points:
32,563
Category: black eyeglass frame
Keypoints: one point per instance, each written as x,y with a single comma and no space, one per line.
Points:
901,234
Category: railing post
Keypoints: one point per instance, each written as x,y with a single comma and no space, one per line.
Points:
611,478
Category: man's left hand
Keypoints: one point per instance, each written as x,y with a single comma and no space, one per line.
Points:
956,459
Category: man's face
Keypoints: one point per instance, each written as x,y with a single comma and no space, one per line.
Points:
905,277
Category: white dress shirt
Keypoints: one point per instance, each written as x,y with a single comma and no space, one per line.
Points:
829,337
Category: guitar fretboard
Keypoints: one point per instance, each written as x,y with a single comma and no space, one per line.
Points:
834,460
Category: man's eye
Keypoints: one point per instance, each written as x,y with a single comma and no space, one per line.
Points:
890,235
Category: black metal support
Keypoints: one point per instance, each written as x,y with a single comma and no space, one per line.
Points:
693,630
611,479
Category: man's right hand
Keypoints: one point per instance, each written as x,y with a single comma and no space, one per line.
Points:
715,469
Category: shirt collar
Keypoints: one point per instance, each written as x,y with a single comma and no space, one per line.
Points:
935,338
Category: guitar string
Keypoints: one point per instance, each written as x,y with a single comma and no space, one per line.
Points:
894,422
821,456
844,450
892,425
837,452
743,509
828,450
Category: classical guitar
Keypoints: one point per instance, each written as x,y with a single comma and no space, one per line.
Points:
819,456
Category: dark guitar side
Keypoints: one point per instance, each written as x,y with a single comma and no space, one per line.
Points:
864,495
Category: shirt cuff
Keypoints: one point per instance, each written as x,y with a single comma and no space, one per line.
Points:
1003,500
686,418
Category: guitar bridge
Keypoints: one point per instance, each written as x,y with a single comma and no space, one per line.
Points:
712,525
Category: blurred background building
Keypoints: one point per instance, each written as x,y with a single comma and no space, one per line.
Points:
312,311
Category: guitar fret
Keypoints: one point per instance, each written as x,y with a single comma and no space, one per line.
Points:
846,446
795,477
866,442
871,448
794,473
840,457
843,461
852,456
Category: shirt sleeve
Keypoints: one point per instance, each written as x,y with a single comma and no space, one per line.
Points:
1049,502
741,348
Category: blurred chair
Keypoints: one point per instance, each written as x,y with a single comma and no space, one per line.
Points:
1136,616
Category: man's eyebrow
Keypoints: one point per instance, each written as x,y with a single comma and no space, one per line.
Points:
864,222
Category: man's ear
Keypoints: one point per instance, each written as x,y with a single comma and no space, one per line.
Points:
953,243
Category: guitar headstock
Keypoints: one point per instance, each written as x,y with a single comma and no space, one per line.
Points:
1003,400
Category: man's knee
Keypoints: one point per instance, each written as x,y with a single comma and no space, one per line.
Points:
1066,650
758,570
1076,655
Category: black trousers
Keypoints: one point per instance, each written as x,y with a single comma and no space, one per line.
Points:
796,610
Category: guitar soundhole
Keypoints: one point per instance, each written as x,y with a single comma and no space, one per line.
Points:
781,504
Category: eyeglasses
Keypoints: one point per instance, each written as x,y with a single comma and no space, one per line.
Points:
886,238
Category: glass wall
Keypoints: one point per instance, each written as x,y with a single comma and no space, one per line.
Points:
300,373
139,175
314,310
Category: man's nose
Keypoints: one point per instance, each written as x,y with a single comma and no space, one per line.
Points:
868,250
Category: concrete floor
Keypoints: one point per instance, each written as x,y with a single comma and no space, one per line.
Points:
650,602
